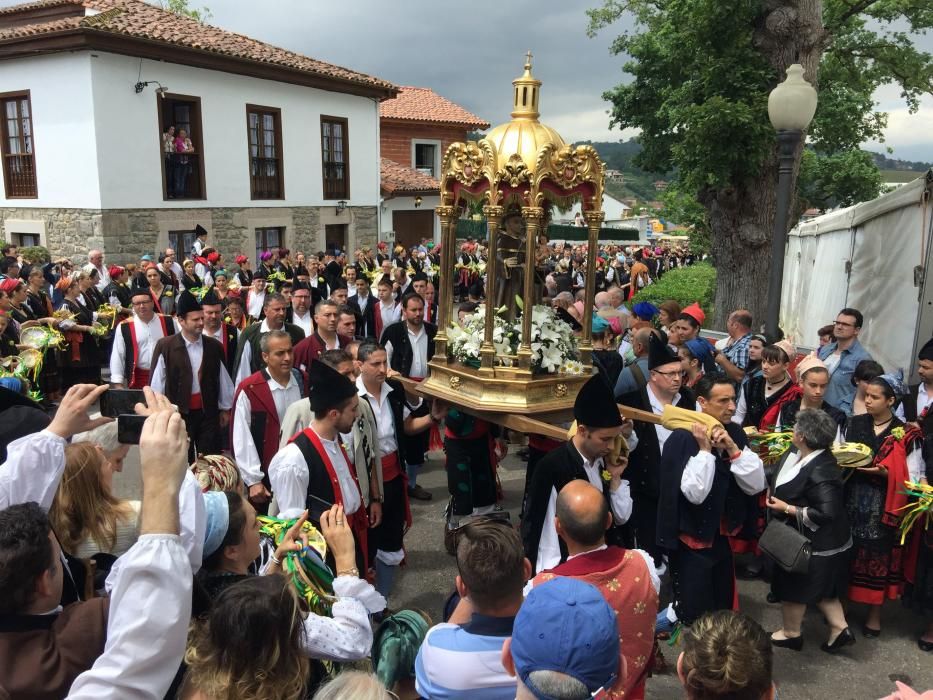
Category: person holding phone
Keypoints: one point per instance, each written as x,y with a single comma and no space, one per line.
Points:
189,368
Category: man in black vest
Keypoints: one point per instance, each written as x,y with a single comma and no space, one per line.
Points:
598,426
189,369
216,328
135,340
708,487
409,345
664,386
313,469
395,419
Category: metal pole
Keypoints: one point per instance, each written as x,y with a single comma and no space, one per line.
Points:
787,147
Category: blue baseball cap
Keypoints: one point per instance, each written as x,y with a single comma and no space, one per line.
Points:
566,625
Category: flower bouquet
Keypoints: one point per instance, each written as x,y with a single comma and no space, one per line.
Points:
465,341
553,345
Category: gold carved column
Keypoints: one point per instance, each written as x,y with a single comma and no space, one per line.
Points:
594,220
448,220
533,217
487,351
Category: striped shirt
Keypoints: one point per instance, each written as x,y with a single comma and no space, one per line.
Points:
465,661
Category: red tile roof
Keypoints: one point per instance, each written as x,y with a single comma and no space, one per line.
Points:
139,20
424,105
399,180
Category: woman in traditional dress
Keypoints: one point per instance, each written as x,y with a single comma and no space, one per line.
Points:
693,356
874,495
606,356
807,493
668,312
162,296
234,314
91,295
245,274
190,280
864,372
79,359
762,397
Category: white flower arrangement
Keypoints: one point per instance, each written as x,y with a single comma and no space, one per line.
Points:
553,345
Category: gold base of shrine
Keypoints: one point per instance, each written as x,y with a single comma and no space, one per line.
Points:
505,390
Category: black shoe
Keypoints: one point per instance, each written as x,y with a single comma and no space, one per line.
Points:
773,598
924,645
870,632
748,573
843,639
419,492
792,643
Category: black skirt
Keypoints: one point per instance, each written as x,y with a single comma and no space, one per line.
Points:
827,578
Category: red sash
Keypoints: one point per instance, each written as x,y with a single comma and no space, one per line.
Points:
358,521
139,377
377,318
155,301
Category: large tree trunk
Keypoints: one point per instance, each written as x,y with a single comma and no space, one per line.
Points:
742,216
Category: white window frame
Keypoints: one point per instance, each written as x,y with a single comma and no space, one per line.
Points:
30,226
437,143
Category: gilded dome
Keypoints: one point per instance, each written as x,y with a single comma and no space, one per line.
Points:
525,134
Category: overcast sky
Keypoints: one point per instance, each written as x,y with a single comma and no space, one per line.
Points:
470,52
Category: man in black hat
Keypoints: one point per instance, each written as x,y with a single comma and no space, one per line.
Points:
313,469
215,327
135,340
664,386
709,481
189,369
918,399
582,457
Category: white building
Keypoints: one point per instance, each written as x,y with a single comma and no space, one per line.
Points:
284,148
615,211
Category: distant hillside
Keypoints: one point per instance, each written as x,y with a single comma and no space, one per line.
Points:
885,163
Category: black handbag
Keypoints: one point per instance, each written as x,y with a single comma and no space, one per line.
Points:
787,546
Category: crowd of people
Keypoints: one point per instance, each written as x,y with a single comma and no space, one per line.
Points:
282,443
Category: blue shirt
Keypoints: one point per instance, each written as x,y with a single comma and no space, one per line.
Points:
841,391
465,661
626,383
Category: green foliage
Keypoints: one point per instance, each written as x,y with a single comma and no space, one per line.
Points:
684,285
36,254
839,179
182,7
683,208
702,71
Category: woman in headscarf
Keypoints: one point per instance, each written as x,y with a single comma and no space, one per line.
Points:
874,495
79,358
245,275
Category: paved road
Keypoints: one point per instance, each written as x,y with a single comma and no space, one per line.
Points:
865,671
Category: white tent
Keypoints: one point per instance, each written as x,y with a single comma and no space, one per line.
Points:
872,257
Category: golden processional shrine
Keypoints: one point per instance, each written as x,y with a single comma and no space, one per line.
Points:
522,166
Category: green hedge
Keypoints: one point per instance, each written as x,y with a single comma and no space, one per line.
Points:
684,285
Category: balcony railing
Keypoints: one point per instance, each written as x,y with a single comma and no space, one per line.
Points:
20,171
183,176
265,182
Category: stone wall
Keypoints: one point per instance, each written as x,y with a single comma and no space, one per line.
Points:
126,234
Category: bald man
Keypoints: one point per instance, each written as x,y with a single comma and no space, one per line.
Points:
626,578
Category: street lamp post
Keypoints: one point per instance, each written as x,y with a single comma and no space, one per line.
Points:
791,106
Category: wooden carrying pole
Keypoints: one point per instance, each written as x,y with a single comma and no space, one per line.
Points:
527,424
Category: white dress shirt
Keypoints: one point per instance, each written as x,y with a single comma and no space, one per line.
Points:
658,409
697,480
390,314
305,323
620,502
246,356
254,303
419,352
385,421
362,302
195,350
247,456
289,475
147,335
